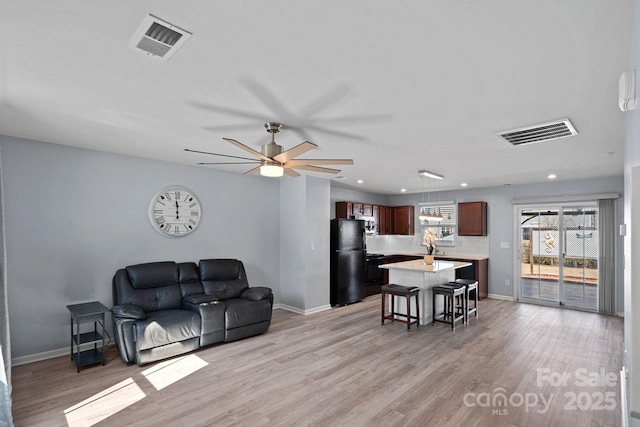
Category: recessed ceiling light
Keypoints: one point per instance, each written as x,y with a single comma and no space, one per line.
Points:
359,181
403,190
464,184
552,176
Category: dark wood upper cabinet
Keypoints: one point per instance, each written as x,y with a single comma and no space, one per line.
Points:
344,210
358,209
403,220
388,219
472,219
385,223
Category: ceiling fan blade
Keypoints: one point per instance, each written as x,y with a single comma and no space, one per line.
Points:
227,110
251,171
227,163
299,149
377,118
248,149
335,132
291,172
231,128
218,154
267,98
298,130
297,162
313,169
330,98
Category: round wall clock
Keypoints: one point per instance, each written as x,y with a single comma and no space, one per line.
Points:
175,212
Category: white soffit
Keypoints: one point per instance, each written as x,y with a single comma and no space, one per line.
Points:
537,133
158,38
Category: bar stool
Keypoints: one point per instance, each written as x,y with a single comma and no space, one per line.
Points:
471,286
400,291
450,314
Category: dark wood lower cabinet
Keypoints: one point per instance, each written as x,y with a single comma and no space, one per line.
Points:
479,270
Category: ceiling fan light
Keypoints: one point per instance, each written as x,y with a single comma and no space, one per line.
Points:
272,171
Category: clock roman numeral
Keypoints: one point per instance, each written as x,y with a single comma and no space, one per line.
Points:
160,220
193,204
195,213
177,195
192,221
168,196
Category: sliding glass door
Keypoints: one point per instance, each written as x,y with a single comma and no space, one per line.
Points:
559,255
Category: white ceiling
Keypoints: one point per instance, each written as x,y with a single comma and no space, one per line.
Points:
398,86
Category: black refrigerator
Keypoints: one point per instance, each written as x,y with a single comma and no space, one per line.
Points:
348,254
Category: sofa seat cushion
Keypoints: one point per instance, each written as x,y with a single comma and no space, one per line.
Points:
242,312
166,327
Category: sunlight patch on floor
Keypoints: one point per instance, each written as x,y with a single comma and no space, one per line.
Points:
168,372
104,404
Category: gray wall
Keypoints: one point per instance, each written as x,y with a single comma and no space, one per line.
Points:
632,239
304,240
74,216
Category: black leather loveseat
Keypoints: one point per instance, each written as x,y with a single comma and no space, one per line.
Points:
162,309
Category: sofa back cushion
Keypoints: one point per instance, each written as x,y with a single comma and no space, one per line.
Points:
152,286
153,274
189,278
223,278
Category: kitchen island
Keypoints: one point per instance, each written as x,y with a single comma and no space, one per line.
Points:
418,273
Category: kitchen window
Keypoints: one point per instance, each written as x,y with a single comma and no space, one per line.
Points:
445,229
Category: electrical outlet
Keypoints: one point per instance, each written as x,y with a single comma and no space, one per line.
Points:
504,245
507,282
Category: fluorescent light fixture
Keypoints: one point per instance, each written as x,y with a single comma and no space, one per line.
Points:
272,171
430,174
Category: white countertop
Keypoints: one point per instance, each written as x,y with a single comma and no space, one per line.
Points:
420,265
436,256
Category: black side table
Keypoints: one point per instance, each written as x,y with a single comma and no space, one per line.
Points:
86,313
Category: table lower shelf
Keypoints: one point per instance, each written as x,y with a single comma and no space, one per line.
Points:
88,357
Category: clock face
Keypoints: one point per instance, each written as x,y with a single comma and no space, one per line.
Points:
175,212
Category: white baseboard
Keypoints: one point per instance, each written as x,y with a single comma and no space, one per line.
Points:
301,311
502,297
23,360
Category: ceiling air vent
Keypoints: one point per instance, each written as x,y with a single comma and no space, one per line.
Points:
158,38
543,132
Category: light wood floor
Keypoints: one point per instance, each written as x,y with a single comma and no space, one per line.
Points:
342,368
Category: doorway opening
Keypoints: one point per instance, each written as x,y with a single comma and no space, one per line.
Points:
559,250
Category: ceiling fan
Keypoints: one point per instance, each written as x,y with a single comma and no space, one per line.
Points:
275,162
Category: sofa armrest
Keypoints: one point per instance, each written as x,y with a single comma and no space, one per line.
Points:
128,311
257,293
199,299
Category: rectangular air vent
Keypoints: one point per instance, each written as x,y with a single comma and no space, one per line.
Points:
158,38
543,132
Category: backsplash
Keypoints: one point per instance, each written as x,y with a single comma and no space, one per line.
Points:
465,245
